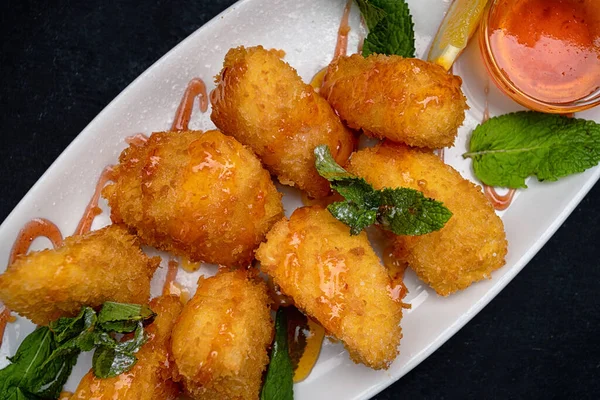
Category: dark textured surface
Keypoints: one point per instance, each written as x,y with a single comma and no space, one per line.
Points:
62,63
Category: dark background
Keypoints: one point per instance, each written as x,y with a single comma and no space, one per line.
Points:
62,63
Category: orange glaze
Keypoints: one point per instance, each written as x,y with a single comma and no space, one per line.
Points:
317,81
64,395
440,153
195,88
33,229
486,108
499,202
92,210
549,49
341,47
136,140
189,266
171,275
396,269
5,318
171,286
361,39
279,299
305,338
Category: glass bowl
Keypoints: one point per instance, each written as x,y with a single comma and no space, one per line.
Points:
502,80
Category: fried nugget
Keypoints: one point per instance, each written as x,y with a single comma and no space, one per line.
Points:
151,377
336,279
406,100
261,101
89,269
221,338
469,247
200,195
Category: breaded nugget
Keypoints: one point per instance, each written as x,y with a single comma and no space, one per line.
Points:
220,340
406,100
151,377
199,195
469,247
262,102
336,279
104,265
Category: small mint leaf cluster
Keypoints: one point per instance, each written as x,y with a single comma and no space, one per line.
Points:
402,211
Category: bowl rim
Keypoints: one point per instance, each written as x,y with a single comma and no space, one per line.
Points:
512,90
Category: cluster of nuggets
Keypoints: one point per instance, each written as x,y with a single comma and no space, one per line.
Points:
209,197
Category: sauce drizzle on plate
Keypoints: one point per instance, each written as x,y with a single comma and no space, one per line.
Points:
499,202
92,210
37,227
305,338
195,88
341,47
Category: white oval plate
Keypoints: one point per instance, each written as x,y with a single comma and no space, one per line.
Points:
306,30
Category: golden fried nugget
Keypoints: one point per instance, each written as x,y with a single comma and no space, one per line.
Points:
403,99
104,265
336,279
469,247
151,377
262,102
200,195
221,338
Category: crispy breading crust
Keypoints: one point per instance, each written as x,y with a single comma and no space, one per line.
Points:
220,340
200,195
469,247
406,100
151,376
262,102
104,265
336,279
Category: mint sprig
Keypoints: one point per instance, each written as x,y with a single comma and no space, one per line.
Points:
391,29
507,149
29,376
402,211
279,382
45,358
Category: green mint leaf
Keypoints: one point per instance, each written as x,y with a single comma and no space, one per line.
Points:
15,393
356,217
45,358
371,13
351,187
53,376
119,326
114,358
104,339
133,345
403,211
391,30
108,362
507,149
279,383
122,317
406,211
327,167
67,328
357,190
28,376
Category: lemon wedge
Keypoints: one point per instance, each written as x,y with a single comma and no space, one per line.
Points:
454,32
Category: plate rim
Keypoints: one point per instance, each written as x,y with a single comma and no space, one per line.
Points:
446,334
